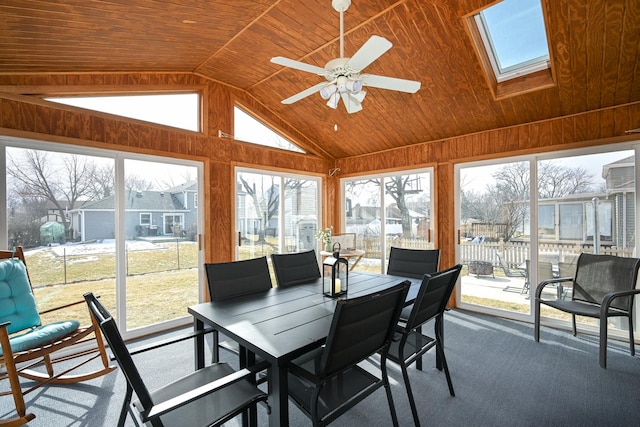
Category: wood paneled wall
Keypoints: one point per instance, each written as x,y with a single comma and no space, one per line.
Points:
30,117
581,130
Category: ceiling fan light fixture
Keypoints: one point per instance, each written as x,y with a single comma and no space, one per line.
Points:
359,96
327,91
333,100
354,86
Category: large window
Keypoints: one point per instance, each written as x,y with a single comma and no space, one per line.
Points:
180,110
276,212
121,226
388,210
528,219
249,129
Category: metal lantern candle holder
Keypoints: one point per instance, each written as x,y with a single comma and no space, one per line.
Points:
335,274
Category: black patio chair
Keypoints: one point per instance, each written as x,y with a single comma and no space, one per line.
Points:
413,263
409,344
295,268
604,286
508,272
327,382
207,397
235,279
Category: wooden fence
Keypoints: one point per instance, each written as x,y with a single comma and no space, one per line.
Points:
515,254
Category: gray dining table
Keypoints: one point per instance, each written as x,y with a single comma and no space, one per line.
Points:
281,324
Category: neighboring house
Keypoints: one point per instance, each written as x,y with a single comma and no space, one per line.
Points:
571,219
172,212
365,220
299,211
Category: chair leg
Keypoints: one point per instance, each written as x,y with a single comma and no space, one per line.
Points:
575,329
215,349
125,406
418,344
632,346
412,403
440,351
14,383
603,342
536,321
387,388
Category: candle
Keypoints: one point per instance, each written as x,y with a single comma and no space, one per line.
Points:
337,286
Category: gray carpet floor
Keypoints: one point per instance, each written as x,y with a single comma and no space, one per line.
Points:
501,376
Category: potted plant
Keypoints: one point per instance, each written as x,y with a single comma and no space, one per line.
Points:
324,236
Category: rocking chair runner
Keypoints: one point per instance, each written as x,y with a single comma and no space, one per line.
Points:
26,344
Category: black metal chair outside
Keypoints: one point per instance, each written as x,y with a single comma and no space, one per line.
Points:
509,272
409,344
295,268
210,396
413,263
328,381
234,279
604,286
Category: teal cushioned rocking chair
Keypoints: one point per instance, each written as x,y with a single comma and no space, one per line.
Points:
26,344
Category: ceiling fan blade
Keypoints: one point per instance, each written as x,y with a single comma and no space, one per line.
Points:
391,83
369,52
299,65
310,91
350,103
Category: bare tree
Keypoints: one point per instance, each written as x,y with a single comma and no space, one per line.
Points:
63,181
506,202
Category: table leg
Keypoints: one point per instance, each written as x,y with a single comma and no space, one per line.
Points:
278,395
198,344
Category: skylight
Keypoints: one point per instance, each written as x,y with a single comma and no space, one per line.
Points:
514,36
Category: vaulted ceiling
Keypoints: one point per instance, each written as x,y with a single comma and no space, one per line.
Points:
594,50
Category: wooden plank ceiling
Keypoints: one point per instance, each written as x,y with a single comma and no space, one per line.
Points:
594,48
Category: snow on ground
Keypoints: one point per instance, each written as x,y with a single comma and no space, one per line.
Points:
104,246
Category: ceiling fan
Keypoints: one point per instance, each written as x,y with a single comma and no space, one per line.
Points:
344,80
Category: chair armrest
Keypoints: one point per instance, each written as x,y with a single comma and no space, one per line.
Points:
71,304
191,395
553,281
169,341
608,298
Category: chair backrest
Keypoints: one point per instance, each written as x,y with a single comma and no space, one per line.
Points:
360,327
435,291
567,269
347,241
597,275
17,302
413,263
237,278
292,269
545,270
111,333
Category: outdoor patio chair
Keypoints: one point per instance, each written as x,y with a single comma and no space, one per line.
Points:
26,345
509,272
413,263
206,397
295,268
235,279
604,286
545,272
328,381
409,344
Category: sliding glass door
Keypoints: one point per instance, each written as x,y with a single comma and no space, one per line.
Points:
122,227
394,209
275,213
527,220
